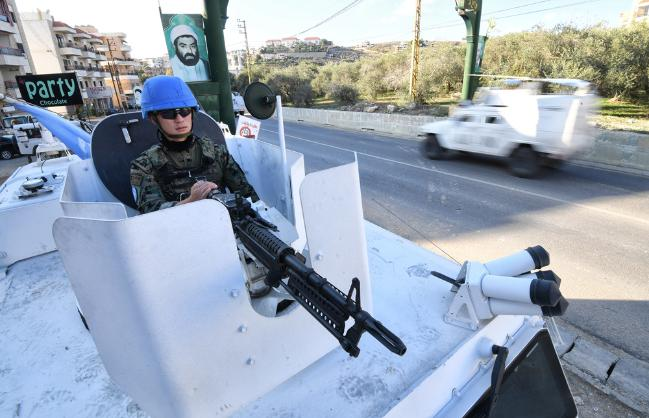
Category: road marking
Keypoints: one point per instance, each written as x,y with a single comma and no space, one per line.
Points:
475,180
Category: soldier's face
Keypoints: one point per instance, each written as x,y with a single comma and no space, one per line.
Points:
176,129
187,50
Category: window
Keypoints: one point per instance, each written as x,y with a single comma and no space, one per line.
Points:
492,119
464,118
101,83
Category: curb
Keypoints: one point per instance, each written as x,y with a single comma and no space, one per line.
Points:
609,369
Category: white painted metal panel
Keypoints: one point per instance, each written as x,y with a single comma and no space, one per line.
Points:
333,218
262,164
85,196
165,300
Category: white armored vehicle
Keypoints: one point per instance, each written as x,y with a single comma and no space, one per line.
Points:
540,122
222,308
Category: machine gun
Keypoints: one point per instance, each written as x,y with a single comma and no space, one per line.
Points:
287,268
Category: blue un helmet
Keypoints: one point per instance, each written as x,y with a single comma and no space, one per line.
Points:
166,92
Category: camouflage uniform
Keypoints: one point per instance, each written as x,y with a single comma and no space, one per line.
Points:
162,177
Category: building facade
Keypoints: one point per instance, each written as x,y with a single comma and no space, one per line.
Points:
639,12
236,61
14,57
56,47
151,67
124,70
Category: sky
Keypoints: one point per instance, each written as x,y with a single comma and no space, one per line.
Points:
368,20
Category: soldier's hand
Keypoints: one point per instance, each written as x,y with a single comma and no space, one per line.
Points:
199,191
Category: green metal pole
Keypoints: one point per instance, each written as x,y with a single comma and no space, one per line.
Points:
476,39
216,14
470,11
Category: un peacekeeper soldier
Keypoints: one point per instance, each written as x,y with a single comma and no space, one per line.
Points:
166,174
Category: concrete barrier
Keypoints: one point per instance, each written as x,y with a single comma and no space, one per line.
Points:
627,151
387,123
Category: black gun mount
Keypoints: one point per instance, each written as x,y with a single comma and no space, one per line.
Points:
287,268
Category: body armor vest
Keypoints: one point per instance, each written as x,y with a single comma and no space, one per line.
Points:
177,171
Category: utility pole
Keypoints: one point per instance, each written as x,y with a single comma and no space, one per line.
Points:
114,74
414,59
470,11
241,24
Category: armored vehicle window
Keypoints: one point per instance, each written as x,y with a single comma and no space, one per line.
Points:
492,119
464,118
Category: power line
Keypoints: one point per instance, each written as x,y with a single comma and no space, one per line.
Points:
450,23
549,8
453,23
336,14
529,12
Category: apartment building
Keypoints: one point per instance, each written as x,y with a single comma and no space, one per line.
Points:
237,60
123,67
56,47
14,59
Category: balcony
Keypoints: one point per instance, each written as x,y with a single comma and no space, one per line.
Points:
86,53
129,76
126,48
102,48
70,49
12,57
129,63
6,25
63,29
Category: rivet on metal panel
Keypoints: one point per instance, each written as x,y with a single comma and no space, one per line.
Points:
250,361
234,293
319,256
243,328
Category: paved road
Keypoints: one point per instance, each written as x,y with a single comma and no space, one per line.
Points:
7,167
593,222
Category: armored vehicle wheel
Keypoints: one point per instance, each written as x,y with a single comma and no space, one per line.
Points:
432,149
6,154
524,162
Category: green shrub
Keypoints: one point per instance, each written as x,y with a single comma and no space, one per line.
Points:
344,94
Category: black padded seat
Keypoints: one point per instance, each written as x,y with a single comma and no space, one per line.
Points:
112,154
